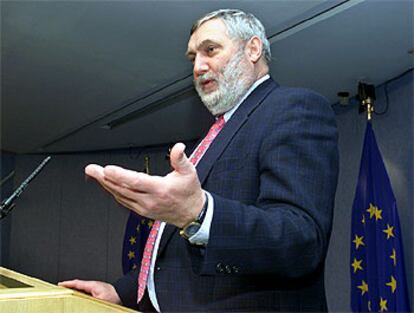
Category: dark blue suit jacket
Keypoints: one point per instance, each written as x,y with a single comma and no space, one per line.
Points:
272,172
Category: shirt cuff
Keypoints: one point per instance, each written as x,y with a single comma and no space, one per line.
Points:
201,237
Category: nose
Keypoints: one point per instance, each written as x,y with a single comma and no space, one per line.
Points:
200,66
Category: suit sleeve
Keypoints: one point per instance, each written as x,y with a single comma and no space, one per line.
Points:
273,202
127,289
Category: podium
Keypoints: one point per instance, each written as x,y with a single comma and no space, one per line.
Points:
20,293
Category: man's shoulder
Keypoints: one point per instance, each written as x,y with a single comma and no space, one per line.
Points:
298,93
283,99
271,98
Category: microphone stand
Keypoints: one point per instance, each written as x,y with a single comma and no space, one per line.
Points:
8,204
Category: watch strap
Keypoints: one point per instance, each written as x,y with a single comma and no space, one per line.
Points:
197,222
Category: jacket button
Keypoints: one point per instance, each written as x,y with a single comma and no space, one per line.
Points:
158,268
219,268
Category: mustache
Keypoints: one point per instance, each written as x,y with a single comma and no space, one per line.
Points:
205,77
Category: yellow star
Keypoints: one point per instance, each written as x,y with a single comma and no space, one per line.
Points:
143,221
392,284
388,231
357,265
150,223
393,256
378,214
358,241
372,209
132,240
131,255
383,305
363,287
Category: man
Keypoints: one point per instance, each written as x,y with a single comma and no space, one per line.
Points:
255,211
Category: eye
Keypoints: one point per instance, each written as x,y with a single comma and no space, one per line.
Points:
191,58
211,49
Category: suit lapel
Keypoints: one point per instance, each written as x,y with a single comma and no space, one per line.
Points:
231,128
222,140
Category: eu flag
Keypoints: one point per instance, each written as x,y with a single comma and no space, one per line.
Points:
136,234
378,281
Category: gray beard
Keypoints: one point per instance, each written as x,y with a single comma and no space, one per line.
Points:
233,83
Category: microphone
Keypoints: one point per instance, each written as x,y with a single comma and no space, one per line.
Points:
8,204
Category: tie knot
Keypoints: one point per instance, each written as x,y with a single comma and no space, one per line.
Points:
219,121
216,127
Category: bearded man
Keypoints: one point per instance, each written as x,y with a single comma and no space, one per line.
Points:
244,223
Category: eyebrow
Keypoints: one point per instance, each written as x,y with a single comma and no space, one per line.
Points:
190,53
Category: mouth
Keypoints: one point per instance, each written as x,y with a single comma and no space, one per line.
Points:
208,85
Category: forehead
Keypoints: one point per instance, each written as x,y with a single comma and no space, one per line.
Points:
213,30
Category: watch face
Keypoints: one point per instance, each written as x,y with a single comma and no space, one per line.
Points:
192,229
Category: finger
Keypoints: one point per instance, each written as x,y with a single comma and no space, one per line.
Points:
133,206
106,184
179,160
133,180
131,199
121,192
95,171
140,210
83,285
119,189
121,176
67,283
117,181
144,206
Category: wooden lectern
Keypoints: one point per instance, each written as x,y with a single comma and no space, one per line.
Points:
20,293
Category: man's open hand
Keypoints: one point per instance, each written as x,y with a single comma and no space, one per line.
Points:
176,198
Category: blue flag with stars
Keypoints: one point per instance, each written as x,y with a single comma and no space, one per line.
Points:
378,281
136,234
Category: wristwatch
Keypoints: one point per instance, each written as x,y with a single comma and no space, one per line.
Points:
191,228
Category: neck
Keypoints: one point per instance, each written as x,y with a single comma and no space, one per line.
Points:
261,69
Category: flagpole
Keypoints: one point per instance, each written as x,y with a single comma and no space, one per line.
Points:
366,93
370,107
147,164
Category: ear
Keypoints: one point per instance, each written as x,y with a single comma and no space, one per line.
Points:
254,49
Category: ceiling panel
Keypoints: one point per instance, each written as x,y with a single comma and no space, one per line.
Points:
369,41
70,67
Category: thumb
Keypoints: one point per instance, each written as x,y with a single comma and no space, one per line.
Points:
179,161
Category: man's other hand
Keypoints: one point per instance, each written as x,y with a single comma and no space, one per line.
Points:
98,289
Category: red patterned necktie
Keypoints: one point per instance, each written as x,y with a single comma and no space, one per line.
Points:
149,246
